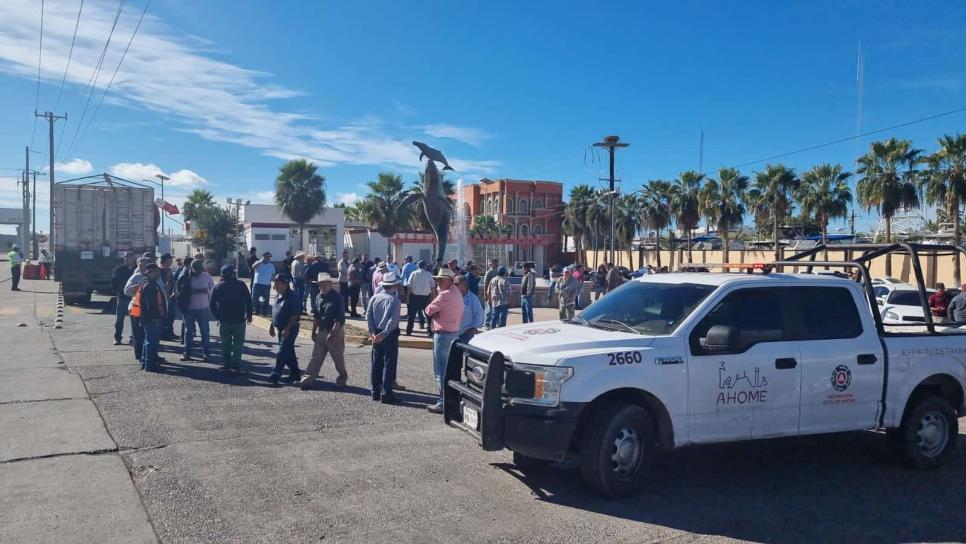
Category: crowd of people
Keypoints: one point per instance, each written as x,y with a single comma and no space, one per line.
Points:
449,302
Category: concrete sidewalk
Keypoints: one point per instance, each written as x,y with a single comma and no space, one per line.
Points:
61,478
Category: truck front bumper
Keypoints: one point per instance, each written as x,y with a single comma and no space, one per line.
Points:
477,401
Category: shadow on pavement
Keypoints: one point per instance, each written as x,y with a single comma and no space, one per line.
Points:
812,489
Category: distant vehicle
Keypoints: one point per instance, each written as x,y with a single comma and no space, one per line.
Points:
888,281
902,305
94,222
882,290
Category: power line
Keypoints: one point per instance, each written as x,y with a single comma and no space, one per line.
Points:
110,83
850,138
92,82
40,58
69,54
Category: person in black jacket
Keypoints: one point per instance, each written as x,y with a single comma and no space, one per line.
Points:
328,333
231,304
152,307
122,273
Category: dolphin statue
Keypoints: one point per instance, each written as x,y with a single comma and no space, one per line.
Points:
434,155
436,205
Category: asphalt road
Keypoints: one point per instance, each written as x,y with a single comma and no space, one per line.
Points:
216,459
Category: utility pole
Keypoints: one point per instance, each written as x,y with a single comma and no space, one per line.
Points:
25,221
611,142
33,222
50,117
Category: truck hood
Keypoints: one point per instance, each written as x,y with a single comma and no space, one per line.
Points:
547,342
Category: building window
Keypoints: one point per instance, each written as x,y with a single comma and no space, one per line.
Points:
279,237
524,206
509,205
524,230
262,237
538,204
538,229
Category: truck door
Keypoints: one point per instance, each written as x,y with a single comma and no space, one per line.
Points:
752,390
842,360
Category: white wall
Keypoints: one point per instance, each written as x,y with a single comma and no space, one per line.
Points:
266,213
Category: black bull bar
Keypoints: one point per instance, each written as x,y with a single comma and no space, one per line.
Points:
482,381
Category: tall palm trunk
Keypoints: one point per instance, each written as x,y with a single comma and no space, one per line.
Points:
670,238
774,237
888,264
724,242
657,243
824,220
690,260
957,239
301,237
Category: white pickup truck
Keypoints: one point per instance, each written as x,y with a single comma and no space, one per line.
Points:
672,360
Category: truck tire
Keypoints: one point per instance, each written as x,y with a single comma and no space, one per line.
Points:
927,435
616,449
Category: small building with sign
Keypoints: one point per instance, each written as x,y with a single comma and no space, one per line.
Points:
266,229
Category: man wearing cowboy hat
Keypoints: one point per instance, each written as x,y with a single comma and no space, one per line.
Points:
381,270
446,310
382,316
328,332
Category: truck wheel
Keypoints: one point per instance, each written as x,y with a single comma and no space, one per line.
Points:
616,449
928,433
525,462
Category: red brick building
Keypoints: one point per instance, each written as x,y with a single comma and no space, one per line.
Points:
529,212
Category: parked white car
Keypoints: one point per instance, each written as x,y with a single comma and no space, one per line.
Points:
882,290
902,306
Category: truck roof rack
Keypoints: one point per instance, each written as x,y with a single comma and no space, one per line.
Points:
102,179
868,252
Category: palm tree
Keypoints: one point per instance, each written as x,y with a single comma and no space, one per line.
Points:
656,211
823,195
627,223
300,193
755,201
884,185
575,216
944,185
722,203
383,207
685,203
197,200
774,187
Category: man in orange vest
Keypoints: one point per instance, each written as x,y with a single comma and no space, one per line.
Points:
149,306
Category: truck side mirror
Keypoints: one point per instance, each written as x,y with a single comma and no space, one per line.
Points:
722,338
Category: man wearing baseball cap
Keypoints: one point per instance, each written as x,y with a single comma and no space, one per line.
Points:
328,333
446,310
263,272
286,312
231,304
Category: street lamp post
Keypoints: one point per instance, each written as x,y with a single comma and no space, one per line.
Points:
611,142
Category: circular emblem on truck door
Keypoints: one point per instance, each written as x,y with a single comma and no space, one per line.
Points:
548,330
841,378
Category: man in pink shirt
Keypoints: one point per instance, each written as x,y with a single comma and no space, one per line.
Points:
447,313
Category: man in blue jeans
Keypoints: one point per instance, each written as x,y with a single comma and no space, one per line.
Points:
201,284
150,306
286,313
122,273
382,317
447,313
263,272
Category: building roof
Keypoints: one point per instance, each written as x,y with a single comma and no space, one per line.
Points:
487,181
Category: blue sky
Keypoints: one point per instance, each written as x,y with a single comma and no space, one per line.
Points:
218,93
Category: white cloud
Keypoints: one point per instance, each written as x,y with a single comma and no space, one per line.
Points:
349,199
186,178
75,167
136,171
472,136
214,99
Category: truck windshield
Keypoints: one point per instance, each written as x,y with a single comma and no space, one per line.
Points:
646,308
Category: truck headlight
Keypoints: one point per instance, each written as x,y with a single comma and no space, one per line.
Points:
547,383
893,316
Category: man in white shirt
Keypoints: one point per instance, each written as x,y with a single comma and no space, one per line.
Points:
420,286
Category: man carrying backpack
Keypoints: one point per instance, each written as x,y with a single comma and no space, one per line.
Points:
149,306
